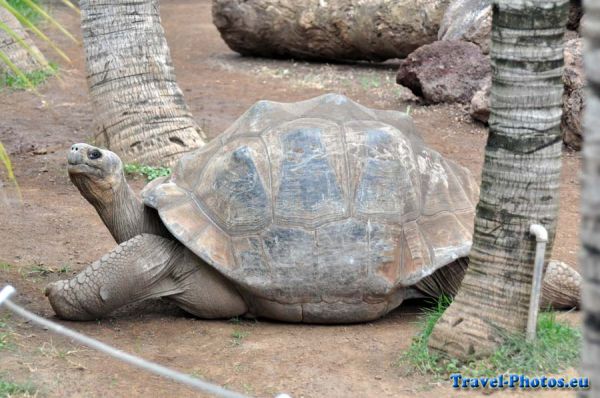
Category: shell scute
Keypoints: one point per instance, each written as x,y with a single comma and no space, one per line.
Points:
235,187
309,172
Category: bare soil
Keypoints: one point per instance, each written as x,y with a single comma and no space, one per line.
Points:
56,233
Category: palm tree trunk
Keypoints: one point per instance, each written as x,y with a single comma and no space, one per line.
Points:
520,178
139,110
590,235
17,54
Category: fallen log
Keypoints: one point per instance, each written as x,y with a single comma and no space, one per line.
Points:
373,30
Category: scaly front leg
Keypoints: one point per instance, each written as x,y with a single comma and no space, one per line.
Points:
137,269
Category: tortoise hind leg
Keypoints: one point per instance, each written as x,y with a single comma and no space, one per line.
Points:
205,293
144,267
561,287
445,280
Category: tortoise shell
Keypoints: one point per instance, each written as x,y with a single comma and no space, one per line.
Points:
318,201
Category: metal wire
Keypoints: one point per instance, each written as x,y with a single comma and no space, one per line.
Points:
183,378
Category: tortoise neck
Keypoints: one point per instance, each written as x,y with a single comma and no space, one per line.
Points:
121,210
123,214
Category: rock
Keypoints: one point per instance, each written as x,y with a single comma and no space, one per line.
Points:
575,14
468,20
445,71
573,96
480,104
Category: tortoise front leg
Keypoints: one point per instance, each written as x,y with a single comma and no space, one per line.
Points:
137,269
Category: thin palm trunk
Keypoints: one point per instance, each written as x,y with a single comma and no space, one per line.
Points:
520,178
139,110
15,51
590,232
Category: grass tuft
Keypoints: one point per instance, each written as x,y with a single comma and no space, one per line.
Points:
32,79
25,9
556,348
418,358
9,388
149,172
237,336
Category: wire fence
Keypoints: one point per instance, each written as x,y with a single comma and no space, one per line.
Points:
152,367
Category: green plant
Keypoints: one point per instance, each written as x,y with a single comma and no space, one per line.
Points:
150,172
370,82
4,267
5,161
29,13
40,270
3,340
237,336
65,269
9,388
25,10
418,358
27,80
556,347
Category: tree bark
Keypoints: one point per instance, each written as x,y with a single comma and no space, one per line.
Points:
139,110
520,178
590,231
328,29
15,51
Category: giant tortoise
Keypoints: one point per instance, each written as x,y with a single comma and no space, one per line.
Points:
316,211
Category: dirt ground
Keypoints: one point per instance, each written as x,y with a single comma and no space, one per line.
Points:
57,233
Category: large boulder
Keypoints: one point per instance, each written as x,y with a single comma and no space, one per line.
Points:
480,104
575,14
445,71
468,20
573,96
328,29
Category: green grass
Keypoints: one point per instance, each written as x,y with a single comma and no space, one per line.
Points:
370,82
149,172
238,336
4,335
556,347
418,358
24,9
9,388
36,78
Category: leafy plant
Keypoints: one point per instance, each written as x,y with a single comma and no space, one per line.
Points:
5,161
149,172
418,358
556,347
24,9
237,336
9,388
28,80
29,13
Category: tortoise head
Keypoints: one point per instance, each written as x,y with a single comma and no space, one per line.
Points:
96,172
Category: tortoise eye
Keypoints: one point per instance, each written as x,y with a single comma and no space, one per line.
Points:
94,154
